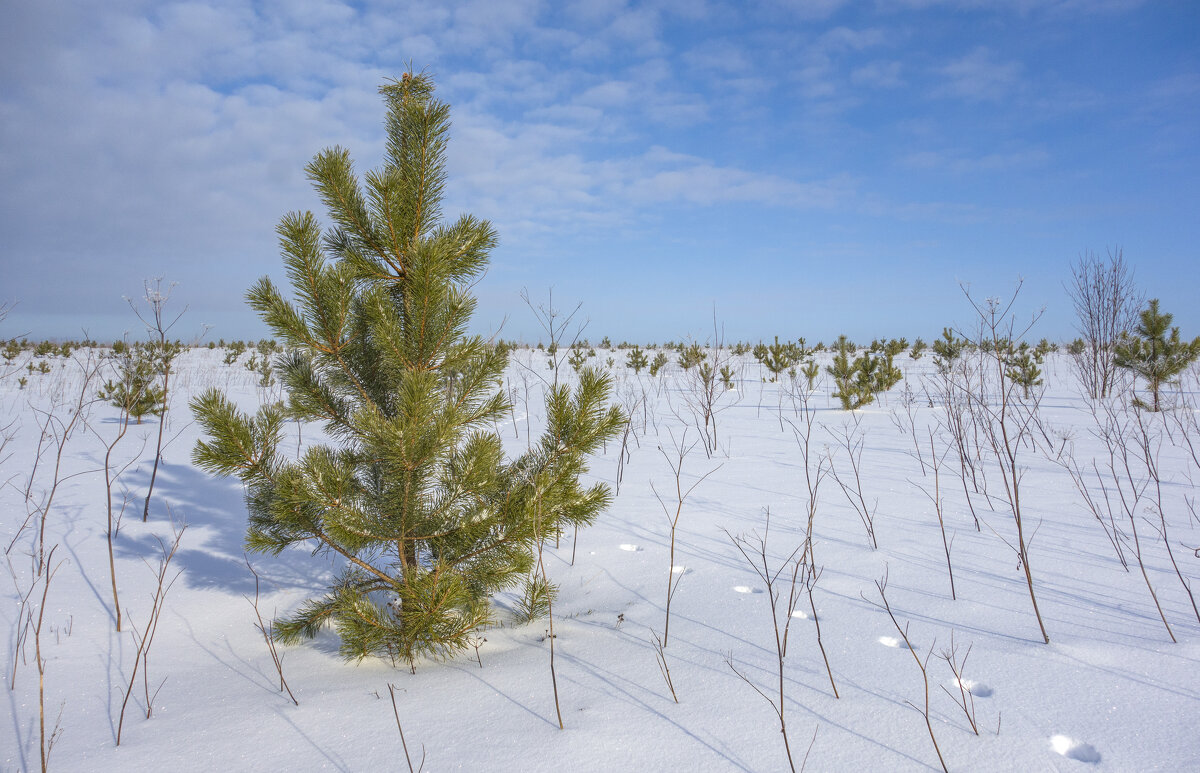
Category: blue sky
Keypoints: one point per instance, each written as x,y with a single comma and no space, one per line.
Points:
805,167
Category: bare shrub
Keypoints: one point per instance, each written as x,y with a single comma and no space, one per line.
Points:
1106,305
164,352
881,586
660,654
1003,417
403,743
268,633
144,639
936,461
814,475
787,575
1124,485
965,699
853,439
675,462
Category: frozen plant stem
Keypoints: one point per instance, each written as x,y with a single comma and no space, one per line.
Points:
268,636
146,639
812,477
936,497
1004,419
966,700
810,582
1130,489
45,744
158,327
675,462
403,743
754,550
661,655
541,566
1149,443
59,431
114,519
881,585
853,439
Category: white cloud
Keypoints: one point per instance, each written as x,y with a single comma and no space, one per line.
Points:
961,163
878,74
980,75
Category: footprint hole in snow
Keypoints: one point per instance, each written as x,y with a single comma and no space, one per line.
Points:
746,589
800,614
680,570
630,547
892,641
1074,750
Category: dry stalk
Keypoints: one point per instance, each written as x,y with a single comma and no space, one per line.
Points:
403,743
268,632
1130,489
661,656
852,439
966,700
1004,419
45,743
145,640
754,550
881,585
812,477
810,582
935,464
1148,444
675,462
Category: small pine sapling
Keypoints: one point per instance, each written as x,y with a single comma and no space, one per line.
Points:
1155,351
236,349
691,356
636,359
854,379
777,358
414,492
1024,368
947,350
918,349
133,391
886,375
660,359
810,370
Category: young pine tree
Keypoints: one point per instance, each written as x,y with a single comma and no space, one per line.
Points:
1155,352
637,360
134,390
414,492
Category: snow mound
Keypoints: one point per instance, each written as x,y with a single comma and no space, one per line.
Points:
1074,750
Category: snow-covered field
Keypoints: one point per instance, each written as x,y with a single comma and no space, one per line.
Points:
1109,692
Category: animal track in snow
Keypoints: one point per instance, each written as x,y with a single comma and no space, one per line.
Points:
631,548
800,614
978,689
1074,750
745,589
680,570
892,641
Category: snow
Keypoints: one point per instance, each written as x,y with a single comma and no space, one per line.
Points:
1109,692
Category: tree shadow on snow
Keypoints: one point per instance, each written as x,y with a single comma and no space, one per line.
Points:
212,552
